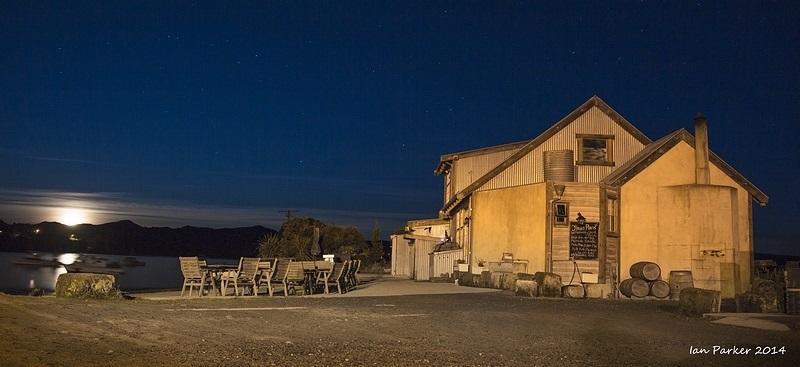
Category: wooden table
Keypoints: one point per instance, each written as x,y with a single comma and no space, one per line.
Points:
216,271
313,275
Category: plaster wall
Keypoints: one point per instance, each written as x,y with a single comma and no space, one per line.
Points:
510,220
639,213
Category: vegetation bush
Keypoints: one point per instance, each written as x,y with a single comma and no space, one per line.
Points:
374,268
308,238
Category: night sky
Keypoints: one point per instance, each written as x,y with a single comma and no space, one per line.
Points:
221,115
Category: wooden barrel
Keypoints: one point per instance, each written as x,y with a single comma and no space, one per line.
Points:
645,270
659,289
678,280
573,291
634,287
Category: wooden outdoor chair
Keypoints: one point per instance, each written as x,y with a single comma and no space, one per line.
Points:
348,277
248,274
338,276
244,276
193,275
294,276
265,271
353,274
281,266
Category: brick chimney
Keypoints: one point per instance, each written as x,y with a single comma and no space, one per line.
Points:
701,173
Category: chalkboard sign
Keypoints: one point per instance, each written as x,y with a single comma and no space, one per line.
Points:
583,240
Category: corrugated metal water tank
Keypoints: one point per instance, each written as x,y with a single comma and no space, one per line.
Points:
559,165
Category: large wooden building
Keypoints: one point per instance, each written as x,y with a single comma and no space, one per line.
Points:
593,194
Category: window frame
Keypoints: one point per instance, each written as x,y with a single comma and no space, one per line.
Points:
609,161
561,220
612,197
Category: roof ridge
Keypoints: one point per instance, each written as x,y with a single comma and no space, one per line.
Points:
593,101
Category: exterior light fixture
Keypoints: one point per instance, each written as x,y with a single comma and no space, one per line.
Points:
580,219
559,189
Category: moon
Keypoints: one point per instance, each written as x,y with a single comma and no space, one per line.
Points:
72,216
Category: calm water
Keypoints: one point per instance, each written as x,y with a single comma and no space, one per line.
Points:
158,272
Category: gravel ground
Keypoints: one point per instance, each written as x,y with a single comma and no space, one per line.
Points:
483,329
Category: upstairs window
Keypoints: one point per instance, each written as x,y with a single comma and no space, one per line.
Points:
595,149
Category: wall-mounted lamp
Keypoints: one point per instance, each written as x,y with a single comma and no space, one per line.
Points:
559,189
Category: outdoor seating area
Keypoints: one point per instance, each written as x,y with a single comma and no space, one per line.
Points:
254,276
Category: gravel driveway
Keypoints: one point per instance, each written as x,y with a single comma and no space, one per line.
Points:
479,329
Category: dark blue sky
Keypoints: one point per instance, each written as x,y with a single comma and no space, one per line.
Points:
209,114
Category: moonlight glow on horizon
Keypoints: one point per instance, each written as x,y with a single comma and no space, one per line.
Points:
72,216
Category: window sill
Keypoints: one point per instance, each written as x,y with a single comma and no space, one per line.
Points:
594,163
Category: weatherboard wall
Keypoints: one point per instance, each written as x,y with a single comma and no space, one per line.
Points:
402,257
585,199
442,262
423,247
530,169
470,168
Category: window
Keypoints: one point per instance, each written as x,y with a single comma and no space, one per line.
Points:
595,149
561,214
612,213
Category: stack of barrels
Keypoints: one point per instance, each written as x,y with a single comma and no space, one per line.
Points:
645,281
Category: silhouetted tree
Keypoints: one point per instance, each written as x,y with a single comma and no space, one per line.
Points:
270,246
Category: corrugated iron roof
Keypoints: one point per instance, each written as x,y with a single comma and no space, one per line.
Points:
535,142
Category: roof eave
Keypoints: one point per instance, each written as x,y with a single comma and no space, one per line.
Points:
637,164
541,138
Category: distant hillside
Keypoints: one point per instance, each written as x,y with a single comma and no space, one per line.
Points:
779,259
128,238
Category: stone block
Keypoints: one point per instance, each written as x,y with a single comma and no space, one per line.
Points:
465,279
525,288
485,279
509,280
497,280
549,284
524,276
597,290
696,301
573,291
87,285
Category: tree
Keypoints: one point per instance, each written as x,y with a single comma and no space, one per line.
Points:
375,252
297,235
307,238
270,245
